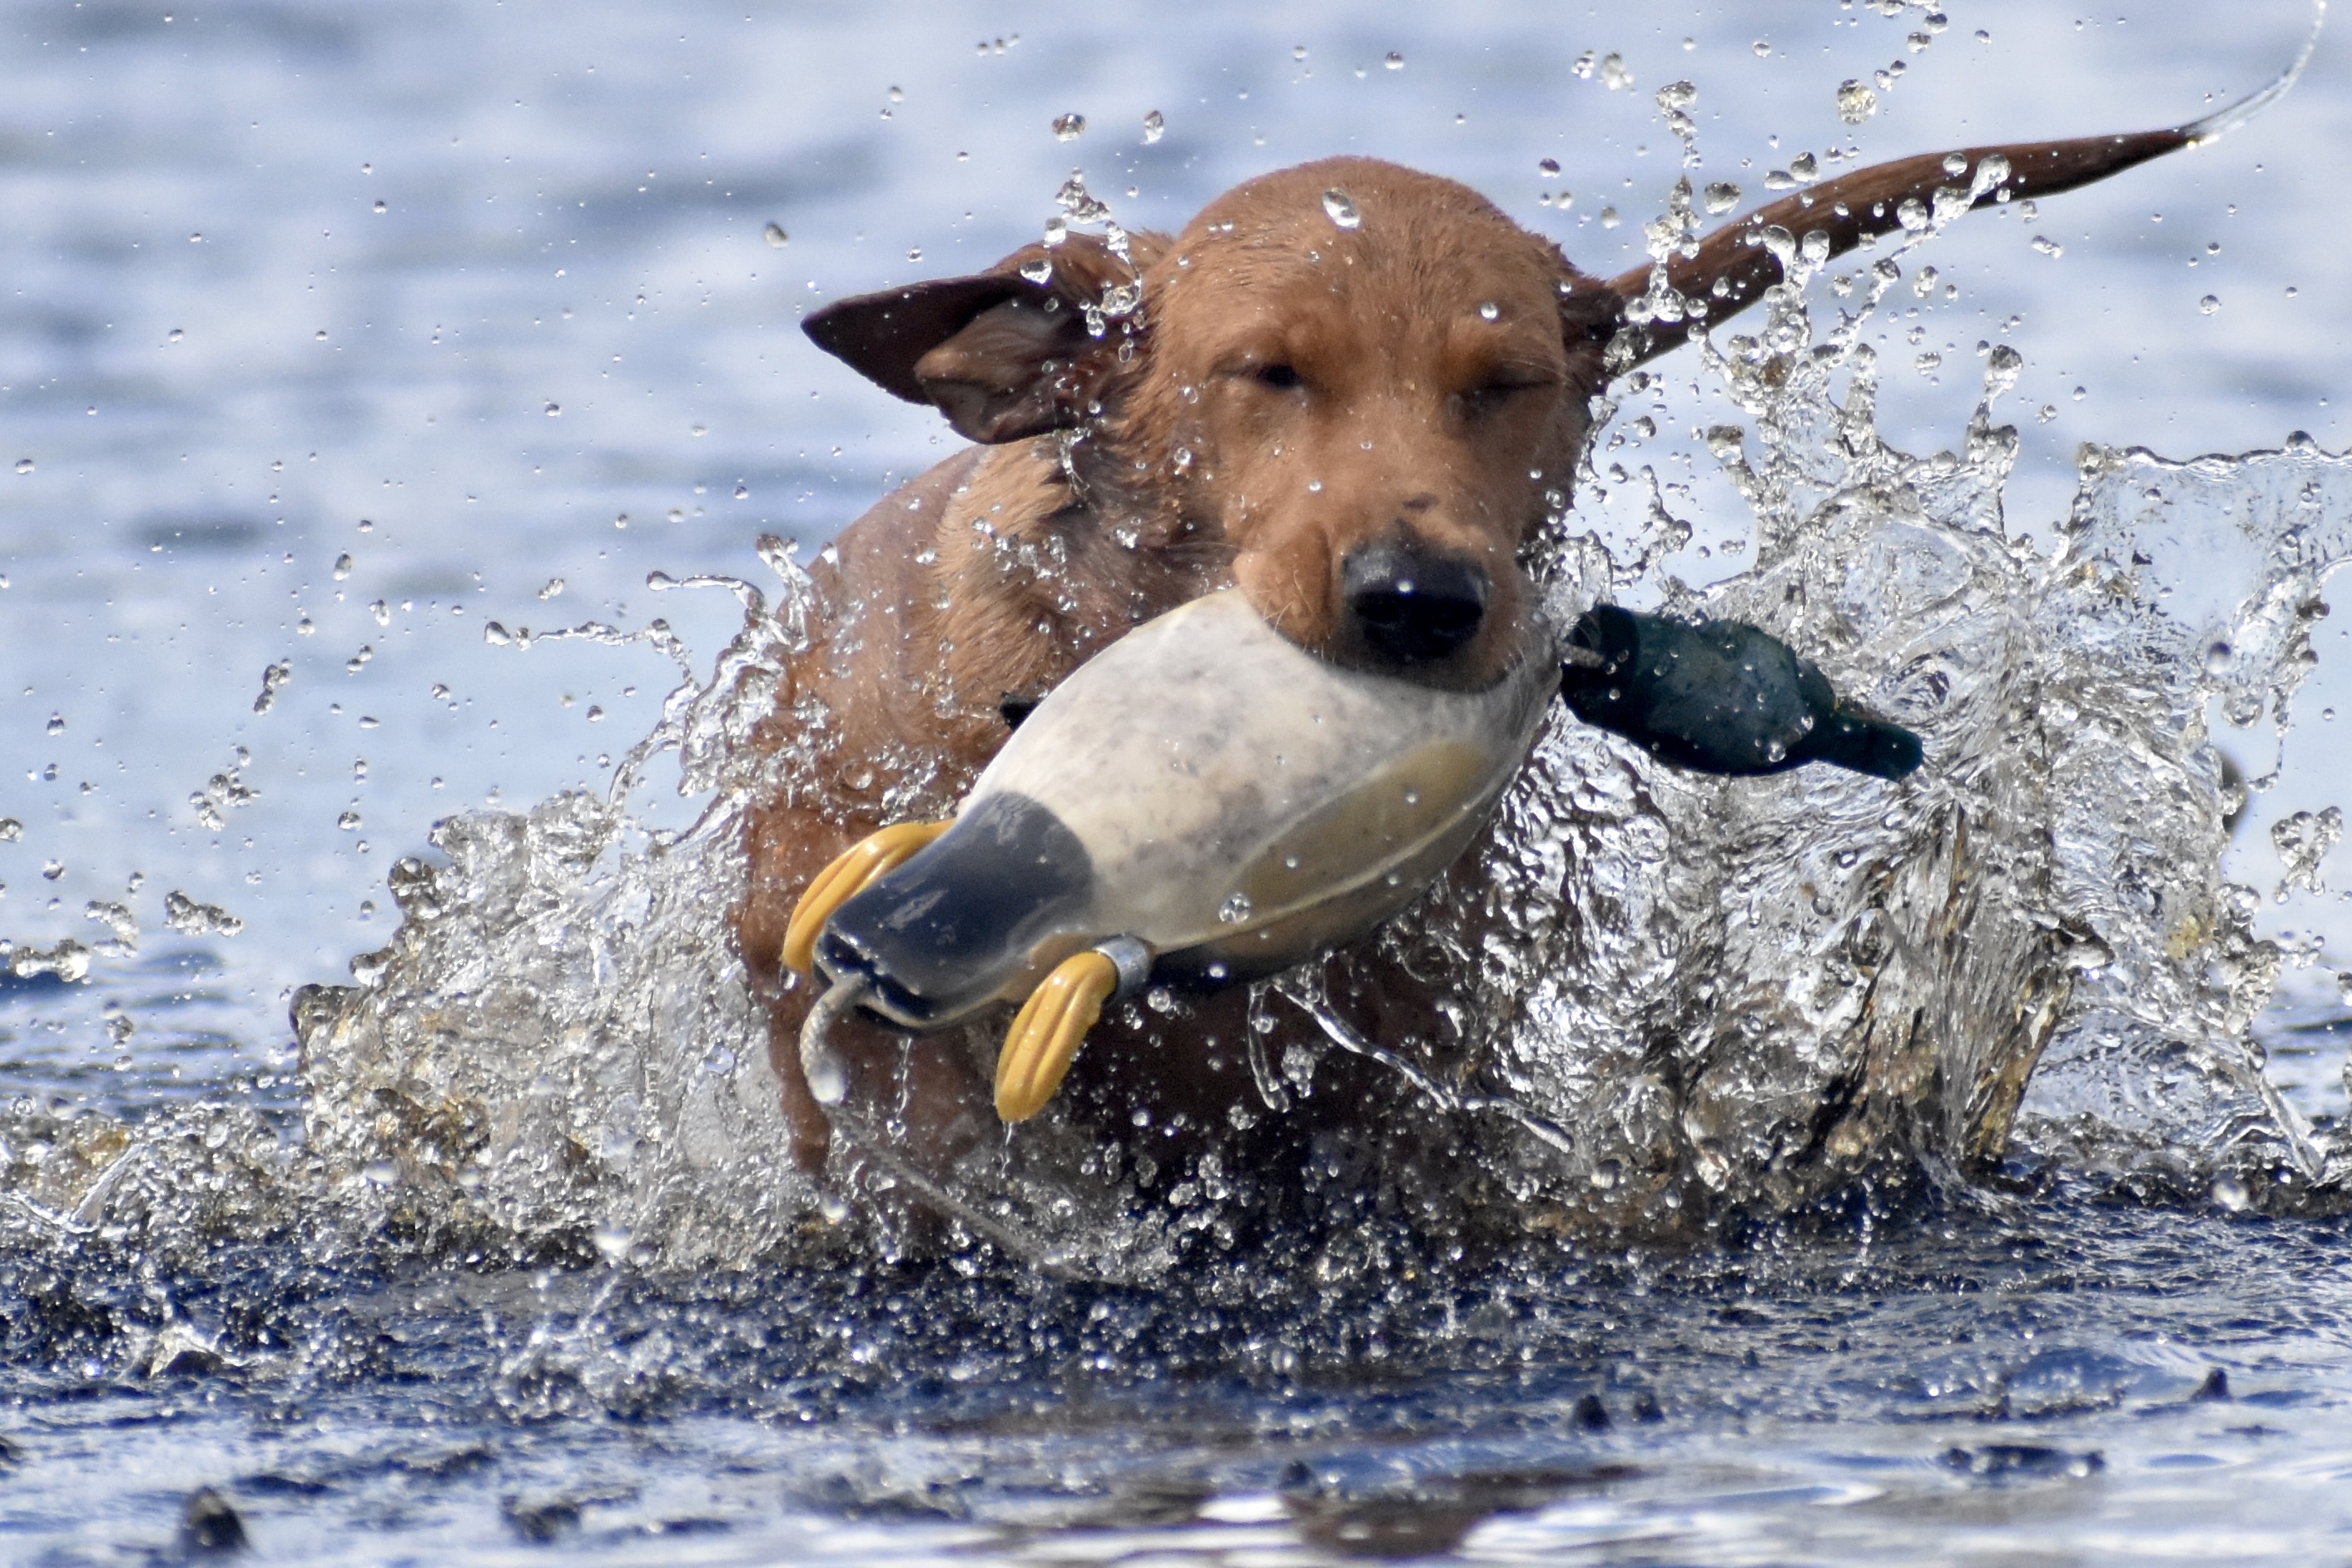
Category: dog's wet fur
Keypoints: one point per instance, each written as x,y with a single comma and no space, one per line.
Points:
1357,426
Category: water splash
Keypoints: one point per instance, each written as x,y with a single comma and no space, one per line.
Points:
1685,1000
2221,122
1745,994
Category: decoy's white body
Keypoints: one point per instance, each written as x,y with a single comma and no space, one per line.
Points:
1204,800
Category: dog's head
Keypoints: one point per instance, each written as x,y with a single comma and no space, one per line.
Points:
1364,383
1369,382
1363,386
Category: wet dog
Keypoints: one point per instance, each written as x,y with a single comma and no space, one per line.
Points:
1352,391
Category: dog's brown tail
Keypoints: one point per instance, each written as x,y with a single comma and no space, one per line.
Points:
1733,266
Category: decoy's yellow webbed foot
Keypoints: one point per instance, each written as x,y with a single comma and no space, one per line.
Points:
875,856
1045,1037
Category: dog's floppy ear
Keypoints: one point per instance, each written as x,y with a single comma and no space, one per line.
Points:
1011,351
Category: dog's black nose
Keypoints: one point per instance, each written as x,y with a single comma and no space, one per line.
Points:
1414,604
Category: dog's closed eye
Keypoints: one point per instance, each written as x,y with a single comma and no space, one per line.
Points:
1282,377
1502,387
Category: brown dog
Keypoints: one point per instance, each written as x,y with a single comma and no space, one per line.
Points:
1353,391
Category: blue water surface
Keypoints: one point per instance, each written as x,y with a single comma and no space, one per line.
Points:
330,333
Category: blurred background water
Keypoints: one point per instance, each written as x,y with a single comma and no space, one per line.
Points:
330,334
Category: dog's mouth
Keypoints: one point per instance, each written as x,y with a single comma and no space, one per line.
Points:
1205,803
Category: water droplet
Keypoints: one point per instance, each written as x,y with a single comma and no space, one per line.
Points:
1763,48
1155,126
1489,311
379,207
613,1242
2230,1193
1613,74
1609,218
1546,166
24,465
2343,976
2221,659
380,612
57,723
195,239
1855,102
496,636
1069,127
555,586
914,253
2001,368
1992,172
554,409
1234,909
1721,196
322,335
1339,209
742,493
174,335
1395,61
2211,303
774,234
11,830
2302,841
1040,271
191,918
2045,245
349,822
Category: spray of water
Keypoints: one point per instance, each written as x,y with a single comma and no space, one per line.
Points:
1683,1000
